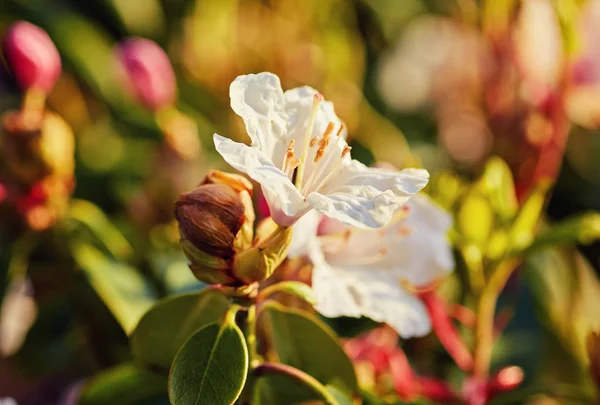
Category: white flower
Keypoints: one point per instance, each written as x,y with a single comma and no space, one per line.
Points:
374,273
300,157
7,401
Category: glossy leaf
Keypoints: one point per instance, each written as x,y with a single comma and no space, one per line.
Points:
125,384
210,368
168,324
122,288
281,390
98,223
523,229
306,343
297,288
475,218
497,184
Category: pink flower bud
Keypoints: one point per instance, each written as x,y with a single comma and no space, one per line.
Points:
32,57
149,72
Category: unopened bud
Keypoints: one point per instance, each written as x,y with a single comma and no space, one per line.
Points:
215,223
32,153
149,73
32,57
270,249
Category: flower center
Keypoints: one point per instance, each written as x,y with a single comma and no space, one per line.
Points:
312,175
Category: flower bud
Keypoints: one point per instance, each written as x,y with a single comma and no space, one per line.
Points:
32,57
215,223
32,153
270,249
149,73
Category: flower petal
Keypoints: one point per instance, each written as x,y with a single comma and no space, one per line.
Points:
335,293
424,253
259,100
285,202
367,197
304,233
375,294
390,303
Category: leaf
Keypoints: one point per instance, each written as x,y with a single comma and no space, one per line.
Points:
98,223
211,367
497,184
168,324
306,343
124,291
125,384
337,394
280,390
297,288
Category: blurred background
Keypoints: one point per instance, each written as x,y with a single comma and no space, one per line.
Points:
443,84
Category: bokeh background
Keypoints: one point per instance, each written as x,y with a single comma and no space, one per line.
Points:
457,80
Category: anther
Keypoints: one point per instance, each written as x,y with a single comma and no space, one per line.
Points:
345,151
313,141
339,132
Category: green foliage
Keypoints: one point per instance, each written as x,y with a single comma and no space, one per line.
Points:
306,343
125,384
168,324
211,367
297,288
122,288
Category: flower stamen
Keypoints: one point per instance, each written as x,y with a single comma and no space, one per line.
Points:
317,100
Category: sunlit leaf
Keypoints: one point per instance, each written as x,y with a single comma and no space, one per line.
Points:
125,384
122,288
98,223
169,323
210,368
306,343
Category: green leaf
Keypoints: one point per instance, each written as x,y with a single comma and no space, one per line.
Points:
281,390
497,184
124,291
524,226
98,223
338,395
297,288
306,343
125,384
583,228
475,218
168,324
211,367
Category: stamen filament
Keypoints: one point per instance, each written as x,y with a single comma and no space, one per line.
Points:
317,100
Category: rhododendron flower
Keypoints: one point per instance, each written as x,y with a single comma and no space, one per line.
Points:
300,157
376,273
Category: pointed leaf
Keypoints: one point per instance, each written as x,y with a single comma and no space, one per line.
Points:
304,342
168,324
122,288
125,384
98,223
210,368
297,288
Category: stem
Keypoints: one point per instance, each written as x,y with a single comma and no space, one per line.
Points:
300,376
484,328
250,332
249,328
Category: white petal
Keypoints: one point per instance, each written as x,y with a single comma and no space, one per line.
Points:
285,202
424,254
367,197
336,293
390,303
259,100
304,233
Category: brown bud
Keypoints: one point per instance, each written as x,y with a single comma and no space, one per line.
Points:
34,149
215,223
210,217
